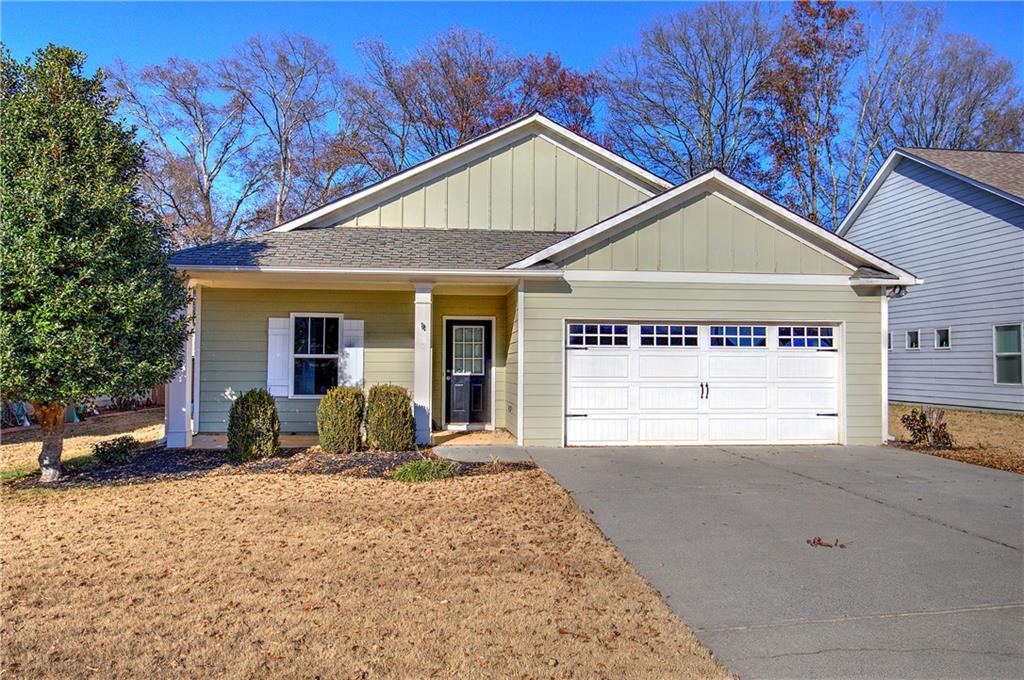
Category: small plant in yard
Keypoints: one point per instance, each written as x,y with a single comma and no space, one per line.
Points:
427,470
927,427
339,419
253,427
115,451
389,421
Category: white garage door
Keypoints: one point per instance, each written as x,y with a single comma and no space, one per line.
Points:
712,383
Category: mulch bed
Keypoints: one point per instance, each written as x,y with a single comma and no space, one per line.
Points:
161,464
995,458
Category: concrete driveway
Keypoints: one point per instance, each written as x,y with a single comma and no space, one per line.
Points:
929,584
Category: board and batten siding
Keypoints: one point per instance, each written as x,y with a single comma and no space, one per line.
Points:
968,246
705,234
233,345
528,184
470,306
548,305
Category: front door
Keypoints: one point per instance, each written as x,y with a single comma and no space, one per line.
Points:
468,371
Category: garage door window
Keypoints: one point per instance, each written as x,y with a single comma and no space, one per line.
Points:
598,334
739,336
806,336
657,335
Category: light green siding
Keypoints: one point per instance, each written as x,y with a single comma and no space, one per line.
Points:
528,184
470,306
512,363
707,234
233,345
548,305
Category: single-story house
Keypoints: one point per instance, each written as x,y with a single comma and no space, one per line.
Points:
534,281
956,218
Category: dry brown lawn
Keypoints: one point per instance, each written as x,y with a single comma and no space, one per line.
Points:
20,449
275,575
994,440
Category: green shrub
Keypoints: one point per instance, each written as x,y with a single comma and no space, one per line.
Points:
389,420
427,470
339,418
253,427
115,451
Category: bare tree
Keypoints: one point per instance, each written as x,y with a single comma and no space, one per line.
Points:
804,95
961,96
288,85
897,38
683,100
200,176
451,89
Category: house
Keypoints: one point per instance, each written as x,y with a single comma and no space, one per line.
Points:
534,281
956,218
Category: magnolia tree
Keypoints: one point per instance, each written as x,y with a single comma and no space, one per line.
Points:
88,303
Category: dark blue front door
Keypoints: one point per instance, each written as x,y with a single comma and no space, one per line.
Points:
468,371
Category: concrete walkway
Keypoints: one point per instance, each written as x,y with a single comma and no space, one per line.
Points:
930,584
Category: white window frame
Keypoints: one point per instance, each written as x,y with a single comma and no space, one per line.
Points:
293,356
949,337
668,336
832,338
906,341
725,335
569,334
996,355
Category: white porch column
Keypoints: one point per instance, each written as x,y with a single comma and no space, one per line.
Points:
423,343
178,399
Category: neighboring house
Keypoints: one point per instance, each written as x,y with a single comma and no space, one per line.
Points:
956,219
534,281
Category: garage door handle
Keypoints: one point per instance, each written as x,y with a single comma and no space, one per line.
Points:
828,414
575,415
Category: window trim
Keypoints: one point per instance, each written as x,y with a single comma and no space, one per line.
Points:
949,339
996,355
906,340
724,335
293,356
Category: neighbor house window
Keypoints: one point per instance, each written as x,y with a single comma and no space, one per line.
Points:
913,340
807,336
942,339
315,346
667,335
1007,345
598,334
739,336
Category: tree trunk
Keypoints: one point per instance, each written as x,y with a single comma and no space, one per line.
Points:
51,420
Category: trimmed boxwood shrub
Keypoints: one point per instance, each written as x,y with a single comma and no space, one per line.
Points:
339,418
115,451
389,420
253,427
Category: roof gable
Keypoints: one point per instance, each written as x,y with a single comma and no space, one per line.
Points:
504,179
809,235
1000,173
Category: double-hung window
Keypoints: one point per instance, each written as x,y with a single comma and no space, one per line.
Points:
316,343
1006,341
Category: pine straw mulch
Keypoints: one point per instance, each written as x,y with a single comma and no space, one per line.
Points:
327,575
161,464
994,440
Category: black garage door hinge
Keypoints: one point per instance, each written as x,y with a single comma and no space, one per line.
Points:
828,414
575,415
826,349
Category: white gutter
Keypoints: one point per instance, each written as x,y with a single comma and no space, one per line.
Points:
413,273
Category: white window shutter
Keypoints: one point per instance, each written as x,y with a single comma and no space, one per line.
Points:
351,368
279,338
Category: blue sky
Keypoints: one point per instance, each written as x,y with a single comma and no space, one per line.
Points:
150,32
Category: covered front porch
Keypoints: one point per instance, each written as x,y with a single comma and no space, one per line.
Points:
450,338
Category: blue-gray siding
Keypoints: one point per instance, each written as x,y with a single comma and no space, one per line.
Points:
968,245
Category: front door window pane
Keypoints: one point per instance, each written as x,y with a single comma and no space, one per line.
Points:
468,350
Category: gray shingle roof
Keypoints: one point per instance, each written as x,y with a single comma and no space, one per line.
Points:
1003,170
372,248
